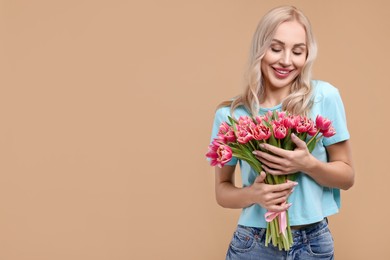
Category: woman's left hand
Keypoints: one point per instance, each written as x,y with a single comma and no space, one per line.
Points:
281,162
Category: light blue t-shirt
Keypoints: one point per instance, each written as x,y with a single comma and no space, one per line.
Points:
311,202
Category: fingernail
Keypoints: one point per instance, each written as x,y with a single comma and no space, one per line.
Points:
262,145
254,152
289,205
295,183
292,190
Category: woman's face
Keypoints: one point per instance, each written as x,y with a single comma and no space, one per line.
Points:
284,59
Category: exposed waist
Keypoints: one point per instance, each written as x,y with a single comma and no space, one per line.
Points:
310,230
300,227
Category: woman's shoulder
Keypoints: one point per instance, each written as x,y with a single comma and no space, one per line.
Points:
224,111
321,87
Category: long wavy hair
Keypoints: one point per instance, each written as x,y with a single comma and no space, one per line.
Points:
299,99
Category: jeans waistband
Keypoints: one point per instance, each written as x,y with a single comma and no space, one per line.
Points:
304,233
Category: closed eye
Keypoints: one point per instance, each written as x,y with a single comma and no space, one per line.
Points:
276,50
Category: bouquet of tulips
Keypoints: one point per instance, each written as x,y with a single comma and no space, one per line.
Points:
239,138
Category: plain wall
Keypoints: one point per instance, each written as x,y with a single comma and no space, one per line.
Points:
105,116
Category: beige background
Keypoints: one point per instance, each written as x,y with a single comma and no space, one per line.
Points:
105,116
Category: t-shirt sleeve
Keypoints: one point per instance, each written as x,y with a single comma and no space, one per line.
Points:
333,109
221,115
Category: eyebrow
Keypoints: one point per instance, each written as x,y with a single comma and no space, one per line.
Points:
295,45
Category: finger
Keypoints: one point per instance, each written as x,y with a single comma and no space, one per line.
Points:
279,208
275,150
261,177
268,157
271,165
273,171
284,186
280,201
300,143
278,197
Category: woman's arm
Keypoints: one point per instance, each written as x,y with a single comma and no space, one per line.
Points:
268,196
337,173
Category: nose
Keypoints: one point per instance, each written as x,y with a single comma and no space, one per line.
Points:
285,60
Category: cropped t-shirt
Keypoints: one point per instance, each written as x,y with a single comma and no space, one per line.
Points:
311,202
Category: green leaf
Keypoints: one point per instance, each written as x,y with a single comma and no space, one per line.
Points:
301,136
267,124
293,177
288,144
311,145
272,140
275,115
232,120
241,152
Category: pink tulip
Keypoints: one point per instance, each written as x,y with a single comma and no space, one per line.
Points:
226,133
261,132
223,128
312,131
243,135
269,113
304,124
213,147
323,123
259,119
291,121
230,137
281,114
244,129
245,121
280,131
329,132
219,154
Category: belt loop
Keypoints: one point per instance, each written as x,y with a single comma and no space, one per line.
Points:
304,237
262,234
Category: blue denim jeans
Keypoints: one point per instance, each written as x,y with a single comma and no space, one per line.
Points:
311,242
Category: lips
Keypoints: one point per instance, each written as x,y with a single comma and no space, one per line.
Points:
282,73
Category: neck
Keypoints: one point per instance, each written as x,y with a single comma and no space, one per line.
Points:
273,97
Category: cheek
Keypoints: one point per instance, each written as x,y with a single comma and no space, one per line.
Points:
300,62
267,61
264,65
271,57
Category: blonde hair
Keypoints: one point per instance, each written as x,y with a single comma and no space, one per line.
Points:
299,100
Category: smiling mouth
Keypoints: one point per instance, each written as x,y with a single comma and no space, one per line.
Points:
282,73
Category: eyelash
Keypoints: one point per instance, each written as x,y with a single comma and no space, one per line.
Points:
278,50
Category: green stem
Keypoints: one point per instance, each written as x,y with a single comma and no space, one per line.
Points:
252,146
313,138
267,234
273,233
269,179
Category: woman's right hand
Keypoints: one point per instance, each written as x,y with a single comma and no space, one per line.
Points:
271,197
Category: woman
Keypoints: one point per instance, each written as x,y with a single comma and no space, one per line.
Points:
279,78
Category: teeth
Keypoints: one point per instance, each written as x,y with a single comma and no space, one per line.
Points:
282,71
